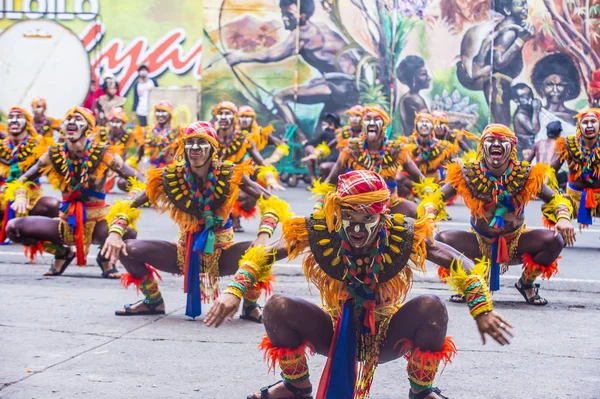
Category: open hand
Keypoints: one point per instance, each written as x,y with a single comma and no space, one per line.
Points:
565,228
113,247
276,186
20,206
223,308
495,326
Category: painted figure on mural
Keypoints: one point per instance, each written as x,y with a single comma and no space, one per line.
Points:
526,120
556,79
504,37
414,74
319,47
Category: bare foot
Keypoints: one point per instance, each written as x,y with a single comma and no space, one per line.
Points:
279,391
140,307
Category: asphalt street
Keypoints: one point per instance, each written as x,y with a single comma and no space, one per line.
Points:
59,337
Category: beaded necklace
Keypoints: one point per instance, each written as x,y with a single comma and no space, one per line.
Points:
77,170
17,155
588,154
204,199
423,151
41,127
500,195
366,156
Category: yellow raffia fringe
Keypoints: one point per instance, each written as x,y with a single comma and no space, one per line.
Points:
322,150
263,171
284,149
436,199
122,207
469,157
321,189
14,186
426,187
458,278
132,161
135,186
549,209
276,206
259,259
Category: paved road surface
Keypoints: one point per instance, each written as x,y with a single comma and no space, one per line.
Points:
60,339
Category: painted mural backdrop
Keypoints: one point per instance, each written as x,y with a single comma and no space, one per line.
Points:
121,35
518,62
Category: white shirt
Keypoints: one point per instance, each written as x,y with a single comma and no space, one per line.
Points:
143,90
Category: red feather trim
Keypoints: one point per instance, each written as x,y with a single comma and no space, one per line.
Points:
267,286
422,358
238,211
443,274
127,279
33,250
530,267
273,353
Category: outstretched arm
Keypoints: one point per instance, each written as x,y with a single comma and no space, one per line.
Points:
413,170
556,163
253,189
474,287
35,171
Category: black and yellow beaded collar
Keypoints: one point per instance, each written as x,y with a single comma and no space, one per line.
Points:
24,151
481,187
230,149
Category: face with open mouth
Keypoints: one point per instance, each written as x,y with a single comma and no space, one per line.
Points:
162,117
246,121
589,126
424,127
224,118
373,126
361,228
198,151
116,125
76,127
497,150
16,122
440,130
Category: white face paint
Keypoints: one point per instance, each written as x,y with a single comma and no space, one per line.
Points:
440,130
76,126
198,151
589,126
38,111
360,231
424,127
224,118
161,116
355,120
116,124
497,150
373,126
16,122
245,121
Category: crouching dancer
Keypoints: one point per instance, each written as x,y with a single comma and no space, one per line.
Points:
357,255
199,192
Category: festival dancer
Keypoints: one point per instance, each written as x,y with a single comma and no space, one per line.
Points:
43,125
353,129
261,136
460,138
123,139
496,188
373,151
358,255
159,140
235,147
198,192
78,168
582,154
18,153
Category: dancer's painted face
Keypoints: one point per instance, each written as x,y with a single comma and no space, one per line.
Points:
225,118
16,122
162,117
440,130
116,125
198,151
245,121
76,126
355,121
497,150
589,126
38,111
424,127
373,126
361,228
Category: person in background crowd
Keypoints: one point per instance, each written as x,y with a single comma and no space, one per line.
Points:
110,100
93,95
322,146
141,91
543,151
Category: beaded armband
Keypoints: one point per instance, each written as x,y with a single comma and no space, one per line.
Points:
322,150
267,175
559,207
17,191
121,216
473,286
433,207
254,268
426,187
272,211
282,150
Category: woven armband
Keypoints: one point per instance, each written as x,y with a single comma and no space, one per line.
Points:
272,211
121,216
473,286
254,269
267,175
17,191
320,191
282,150
559,207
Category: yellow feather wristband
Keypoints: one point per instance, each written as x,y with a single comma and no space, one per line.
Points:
558,207
322,150
15,188
473,286
254,269
124,211
433,206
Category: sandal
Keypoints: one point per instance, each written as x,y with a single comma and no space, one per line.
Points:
107,273
457,298
423,394
151,309
533,299
68,257
247,313
299,393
